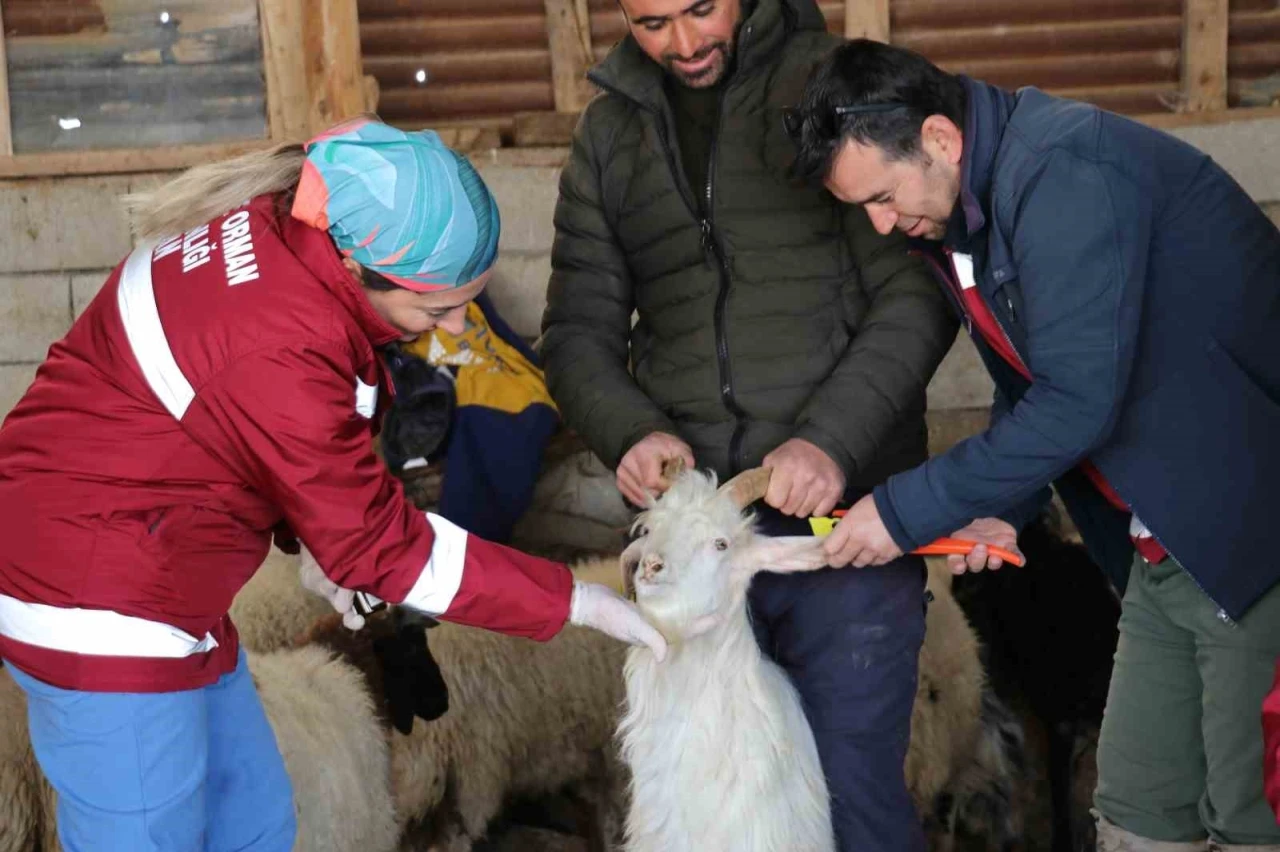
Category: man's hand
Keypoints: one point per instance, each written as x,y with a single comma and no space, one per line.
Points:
342,600
804,480
640,472
600,607
860,539
988,530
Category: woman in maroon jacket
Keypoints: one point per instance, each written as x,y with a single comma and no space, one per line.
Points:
220,388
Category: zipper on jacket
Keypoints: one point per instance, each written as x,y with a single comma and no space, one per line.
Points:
708,226
711,248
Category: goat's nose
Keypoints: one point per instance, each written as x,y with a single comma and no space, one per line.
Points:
650,565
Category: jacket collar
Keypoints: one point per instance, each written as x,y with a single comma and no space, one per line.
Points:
987,114
316,251
627,71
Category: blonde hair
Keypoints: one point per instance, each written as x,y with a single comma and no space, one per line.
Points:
206,192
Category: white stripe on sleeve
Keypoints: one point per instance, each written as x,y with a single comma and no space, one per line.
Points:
441,577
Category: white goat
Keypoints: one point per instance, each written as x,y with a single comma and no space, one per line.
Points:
720,752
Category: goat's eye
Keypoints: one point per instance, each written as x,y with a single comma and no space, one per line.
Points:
722,544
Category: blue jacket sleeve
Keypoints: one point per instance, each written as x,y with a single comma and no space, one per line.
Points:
1081,235
1022,513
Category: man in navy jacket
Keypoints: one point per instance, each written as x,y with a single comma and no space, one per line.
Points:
1124,293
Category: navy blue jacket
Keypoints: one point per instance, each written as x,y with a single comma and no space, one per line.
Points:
1141,286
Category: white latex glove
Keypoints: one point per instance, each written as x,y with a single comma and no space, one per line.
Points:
313,579
600,607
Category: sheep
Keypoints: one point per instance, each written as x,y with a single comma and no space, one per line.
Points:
272,609
720,752
22,817
335,749
524,719
945,716
1049,633
524,716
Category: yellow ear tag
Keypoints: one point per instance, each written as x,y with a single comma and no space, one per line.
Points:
822,526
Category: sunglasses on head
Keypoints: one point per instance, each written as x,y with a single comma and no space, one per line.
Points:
824,122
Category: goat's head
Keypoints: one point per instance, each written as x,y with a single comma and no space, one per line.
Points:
696,551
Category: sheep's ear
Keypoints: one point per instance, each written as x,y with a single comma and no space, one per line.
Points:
783,555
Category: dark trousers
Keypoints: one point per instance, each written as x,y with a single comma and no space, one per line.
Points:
850,641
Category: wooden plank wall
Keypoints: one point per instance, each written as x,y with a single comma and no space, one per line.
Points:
487,62
1204,55
189,73
866,19
6,133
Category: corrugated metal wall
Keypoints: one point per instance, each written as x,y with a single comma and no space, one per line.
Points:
439,61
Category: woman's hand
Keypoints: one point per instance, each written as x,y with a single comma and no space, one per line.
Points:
602,608
314,580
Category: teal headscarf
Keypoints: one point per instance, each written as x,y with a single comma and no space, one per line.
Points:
399,203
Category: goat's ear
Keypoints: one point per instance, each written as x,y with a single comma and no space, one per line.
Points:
783,555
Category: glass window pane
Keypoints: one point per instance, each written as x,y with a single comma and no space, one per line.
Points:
86,74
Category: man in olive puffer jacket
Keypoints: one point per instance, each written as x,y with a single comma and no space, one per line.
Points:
775,327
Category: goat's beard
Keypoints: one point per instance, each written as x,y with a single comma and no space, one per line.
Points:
678,619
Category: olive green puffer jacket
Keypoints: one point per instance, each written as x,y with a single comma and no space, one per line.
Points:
782,314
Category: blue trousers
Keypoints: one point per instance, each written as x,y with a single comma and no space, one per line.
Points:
162,772
850,640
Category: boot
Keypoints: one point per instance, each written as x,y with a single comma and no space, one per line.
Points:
1113,838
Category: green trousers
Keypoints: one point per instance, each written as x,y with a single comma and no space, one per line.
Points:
1180,754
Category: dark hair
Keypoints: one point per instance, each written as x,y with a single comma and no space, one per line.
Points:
874,94
375,280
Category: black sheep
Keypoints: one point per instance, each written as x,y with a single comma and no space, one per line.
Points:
1049,633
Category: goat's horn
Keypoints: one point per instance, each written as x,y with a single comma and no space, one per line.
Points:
671,468
747,487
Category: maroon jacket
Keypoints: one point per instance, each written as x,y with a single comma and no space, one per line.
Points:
223,382
1271,744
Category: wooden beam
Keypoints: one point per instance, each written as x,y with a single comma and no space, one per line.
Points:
467,139
334,67
569,39
284,69
6,128
124,160
1204,55
1170,120
866,19
521,158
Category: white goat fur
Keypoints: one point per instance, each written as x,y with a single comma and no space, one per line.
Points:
719,749
721,754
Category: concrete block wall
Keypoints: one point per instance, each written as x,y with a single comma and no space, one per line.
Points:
59,238
62,236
